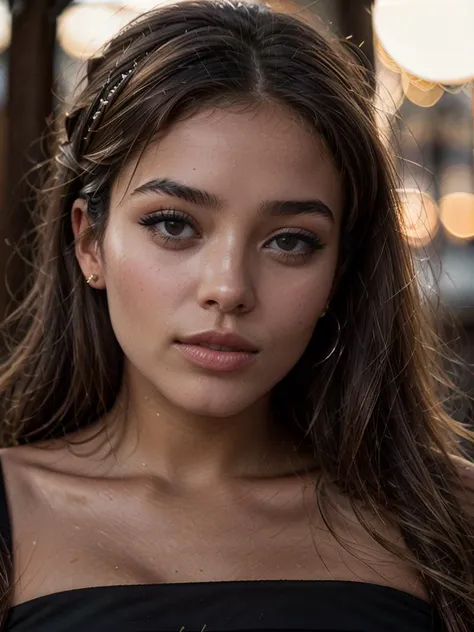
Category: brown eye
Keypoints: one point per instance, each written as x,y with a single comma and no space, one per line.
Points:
296,244
169,226
287,242
174,227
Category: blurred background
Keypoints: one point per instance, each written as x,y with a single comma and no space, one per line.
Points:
423,55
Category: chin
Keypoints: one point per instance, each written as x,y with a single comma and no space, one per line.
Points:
217,401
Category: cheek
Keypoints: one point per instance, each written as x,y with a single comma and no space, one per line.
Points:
297,301
139,287
297,316
293,307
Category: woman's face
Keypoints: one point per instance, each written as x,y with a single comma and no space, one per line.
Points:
230,223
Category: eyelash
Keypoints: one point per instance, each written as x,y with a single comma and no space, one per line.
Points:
151,220
166,215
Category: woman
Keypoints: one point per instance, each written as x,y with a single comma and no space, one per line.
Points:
222,374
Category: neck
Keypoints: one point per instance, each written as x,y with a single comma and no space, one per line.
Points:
191,450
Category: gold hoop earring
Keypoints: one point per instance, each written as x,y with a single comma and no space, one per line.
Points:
92,277
337,340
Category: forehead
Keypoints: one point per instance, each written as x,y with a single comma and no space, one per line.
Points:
246,155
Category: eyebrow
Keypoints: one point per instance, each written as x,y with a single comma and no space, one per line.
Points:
197,197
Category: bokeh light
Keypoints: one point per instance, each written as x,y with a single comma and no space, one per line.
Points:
457,214
383,56
422,93
84,29
420,216
140,6
432,39
5,27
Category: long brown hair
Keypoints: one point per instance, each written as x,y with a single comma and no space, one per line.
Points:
374,411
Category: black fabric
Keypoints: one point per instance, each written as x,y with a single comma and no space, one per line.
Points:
233,606
290,606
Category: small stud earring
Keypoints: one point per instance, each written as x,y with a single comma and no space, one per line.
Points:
92,277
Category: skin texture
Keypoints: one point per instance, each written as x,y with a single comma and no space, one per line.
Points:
226,273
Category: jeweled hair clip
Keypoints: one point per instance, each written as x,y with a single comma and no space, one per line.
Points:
105,98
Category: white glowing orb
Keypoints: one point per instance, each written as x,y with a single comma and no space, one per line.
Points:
84,29
432,39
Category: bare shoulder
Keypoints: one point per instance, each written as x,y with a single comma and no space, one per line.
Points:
23,457
17,459
68,455
18,463
21,466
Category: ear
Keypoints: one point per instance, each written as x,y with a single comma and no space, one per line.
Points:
86,247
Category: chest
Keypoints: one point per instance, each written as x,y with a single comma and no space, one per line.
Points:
122,536
111,535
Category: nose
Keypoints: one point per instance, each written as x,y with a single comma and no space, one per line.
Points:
225,280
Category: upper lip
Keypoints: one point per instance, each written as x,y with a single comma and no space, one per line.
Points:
222,339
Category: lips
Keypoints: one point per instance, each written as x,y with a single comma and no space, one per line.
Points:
220,341
218,347
218,352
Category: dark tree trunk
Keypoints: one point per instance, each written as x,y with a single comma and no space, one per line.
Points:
30,102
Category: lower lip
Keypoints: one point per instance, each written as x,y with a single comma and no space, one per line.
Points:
211,359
